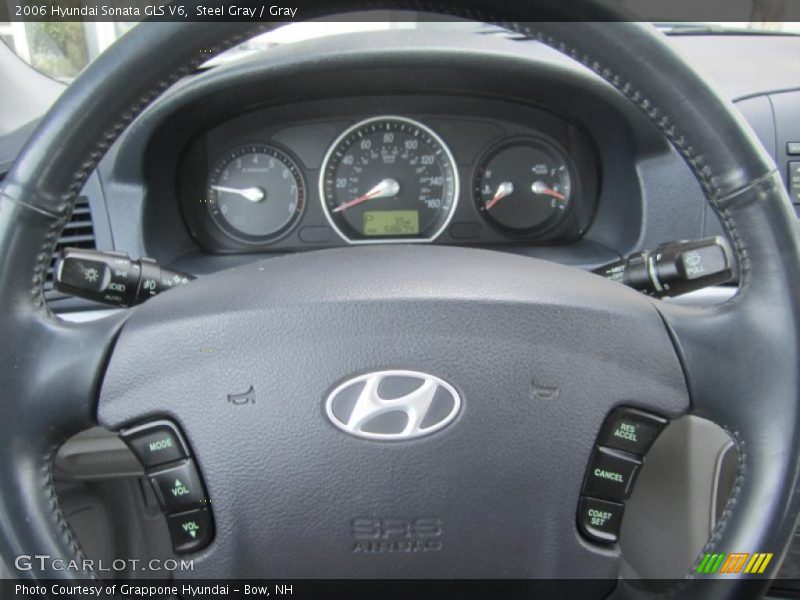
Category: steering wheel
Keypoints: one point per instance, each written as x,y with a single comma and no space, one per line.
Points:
503,479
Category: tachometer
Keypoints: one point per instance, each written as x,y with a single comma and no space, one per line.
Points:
256,193
389,179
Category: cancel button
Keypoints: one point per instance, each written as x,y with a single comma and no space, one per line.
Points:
611,474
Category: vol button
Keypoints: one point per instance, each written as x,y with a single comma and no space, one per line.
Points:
191,530
179,487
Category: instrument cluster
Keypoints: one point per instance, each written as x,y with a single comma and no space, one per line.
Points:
389,179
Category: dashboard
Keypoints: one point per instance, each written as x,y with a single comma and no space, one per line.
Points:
429,170
470,140
528,153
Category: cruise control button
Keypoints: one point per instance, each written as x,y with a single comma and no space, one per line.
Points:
600,520
155,443
179,488
191,530
631,430
611,474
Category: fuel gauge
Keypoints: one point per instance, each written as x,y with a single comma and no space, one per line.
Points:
523,186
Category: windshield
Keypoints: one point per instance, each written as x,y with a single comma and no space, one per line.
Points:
752,27
63,49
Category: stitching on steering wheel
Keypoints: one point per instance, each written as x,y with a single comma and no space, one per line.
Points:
703,174
57,224
43,259
55,506
727,512
660,119
67,201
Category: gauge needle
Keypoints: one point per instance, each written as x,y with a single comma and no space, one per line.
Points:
253,194
385,189
540,187
504,189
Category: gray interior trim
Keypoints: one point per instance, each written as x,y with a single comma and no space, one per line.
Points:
5,572
719,487
96,454
706,297
87,315
672,499
745,65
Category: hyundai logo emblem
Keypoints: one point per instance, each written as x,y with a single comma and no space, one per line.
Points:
392,405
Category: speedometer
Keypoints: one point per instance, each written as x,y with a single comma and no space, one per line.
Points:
389,179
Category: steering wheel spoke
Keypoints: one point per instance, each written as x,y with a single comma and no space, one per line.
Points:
732,353
536,366
72,360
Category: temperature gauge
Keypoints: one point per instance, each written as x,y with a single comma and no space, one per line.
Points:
523,186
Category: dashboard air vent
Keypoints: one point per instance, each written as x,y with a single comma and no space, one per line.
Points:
78,233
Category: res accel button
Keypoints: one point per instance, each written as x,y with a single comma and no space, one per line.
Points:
611,474
155,443
631,430
600,520
179,487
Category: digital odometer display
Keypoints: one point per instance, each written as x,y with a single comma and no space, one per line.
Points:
389,178
391,222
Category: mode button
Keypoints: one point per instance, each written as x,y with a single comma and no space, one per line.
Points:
155,443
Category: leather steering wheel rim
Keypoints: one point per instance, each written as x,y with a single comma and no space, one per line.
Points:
52,370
